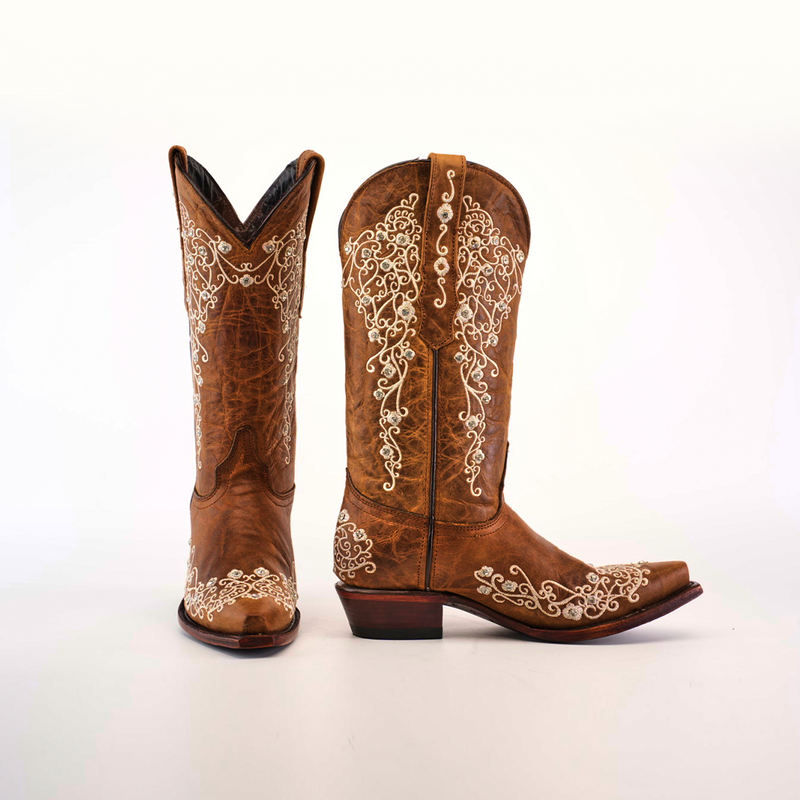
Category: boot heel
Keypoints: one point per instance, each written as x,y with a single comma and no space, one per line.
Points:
374,614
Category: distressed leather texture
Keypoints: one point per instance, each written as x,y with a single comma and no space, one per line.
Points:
243,290
426,458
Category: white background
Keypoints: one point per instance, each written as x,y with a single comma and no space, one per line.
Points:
655,410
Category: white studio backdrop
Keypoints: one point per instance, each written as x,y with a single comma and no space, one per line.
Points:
656,395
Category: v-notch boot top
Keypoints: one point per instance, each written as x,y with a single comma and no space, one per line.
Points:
243,289
433,253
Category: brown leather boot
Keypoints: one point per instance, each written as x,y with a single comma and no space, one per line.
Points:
244,289
433,254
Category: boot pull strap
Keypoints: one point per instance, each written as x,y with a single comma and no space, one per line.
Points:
178,159
306,158
440,248
318,165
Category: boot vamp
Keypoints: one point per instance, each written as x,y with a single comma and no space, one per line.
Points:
512,570
241,574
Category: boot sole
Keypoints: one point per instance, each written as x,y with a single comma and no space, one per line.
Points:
376,614
244,641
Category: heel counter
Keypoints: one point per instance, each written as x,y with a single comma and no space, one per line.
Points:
376,547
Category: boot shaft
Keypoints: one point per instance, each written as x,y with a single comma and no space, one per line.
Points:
433,253
243,290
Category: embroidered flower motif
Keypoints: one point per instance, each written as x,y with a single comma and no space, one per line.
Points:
441,266
204,599
488,280
601,594
352,549
393,418
382,270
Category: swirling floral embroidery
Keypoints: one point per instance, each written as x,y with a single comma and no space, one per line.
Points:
382,270
601,593
445,214
352,550
208,269
203,600
489,280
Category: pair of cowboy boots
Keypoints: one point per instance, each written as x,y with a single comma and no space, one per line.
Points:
433,254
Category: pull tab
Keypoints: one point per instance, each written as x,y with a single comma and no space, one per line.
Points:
439,248
308,157
177,154
178,159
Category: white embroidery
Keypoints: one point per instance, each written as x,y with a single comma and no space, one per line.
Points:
208,270
285,279
203,600
445,214
489,279
601,593
352,550
382,269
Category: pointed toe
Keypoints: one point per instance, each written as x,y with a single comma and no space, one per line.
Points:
665,579
259,624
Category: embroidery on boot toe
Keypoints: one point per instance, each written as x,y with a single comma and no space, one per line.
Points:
489,280
352,550
382,270
601,593
203,600
208,270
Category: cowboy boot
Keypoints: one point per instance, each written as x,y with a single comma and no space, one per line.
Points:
433,253
244,288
